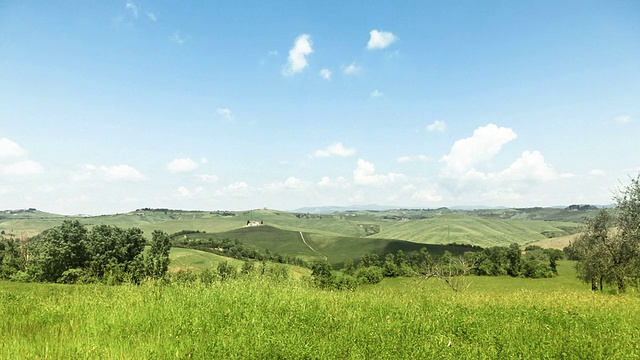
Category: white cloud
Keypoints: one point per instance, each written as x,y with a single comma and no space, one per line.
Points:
14,160
183,191
531,166
623,119
408,159
238,185
291,183
336,149
380,39
21,168
427,195
463,173
482,146
437,126
376,93
327,182
207,178
238,188
297,60
152,16
182,165
179,38
325,74
364,174
9,149
226,114
108,173
132,7
121,173
596,172
352,69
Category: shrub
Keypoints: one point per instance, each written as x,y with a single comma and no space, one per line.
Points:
369,275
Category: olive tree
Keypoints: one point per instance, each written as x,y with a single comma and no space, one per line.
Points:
609,248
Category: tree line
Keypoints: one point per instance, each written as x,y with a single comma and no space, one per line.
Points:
534,262
71,253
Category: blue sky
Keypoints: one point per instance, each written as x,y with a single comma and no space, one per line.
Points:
111,106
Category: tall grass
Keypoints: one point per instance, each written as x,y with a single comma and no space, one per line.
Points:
256,317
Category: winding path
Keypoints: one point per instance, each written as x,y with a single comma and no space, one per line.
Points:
312,249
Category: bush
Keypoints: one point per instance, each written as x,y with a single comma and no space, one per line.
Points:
74,276
226,271
278,272
369,275
183,277
207,277
345,282
21,276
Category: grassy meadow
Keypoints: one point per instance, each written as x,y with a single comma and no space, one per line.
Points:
258,317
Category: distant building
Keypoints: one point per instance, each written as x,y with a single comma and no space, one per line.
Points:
254,223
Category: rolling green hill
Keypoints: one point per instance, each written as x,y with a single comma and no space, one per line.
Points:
338,236
197,261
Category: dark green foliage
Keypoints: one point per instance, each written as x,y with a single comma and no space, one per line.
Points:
60,249
183,277
390,268
275,271
344,281
322,275
207,276
226,271
74,276
11,260
158,257
536,265
609,249
247,267
70,253
492,261
369,274
369,260
514,255
554,255
349,268
110,245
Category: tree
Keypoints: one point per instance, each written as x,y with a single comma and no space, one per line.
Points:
349,268
514,255
322,274
368,260
60,249
10,259
158,260
609,248
591,250
389,266
627,261
111,246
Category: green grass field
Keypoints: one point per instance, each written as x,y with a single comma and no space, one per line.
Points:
196,261
257,317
